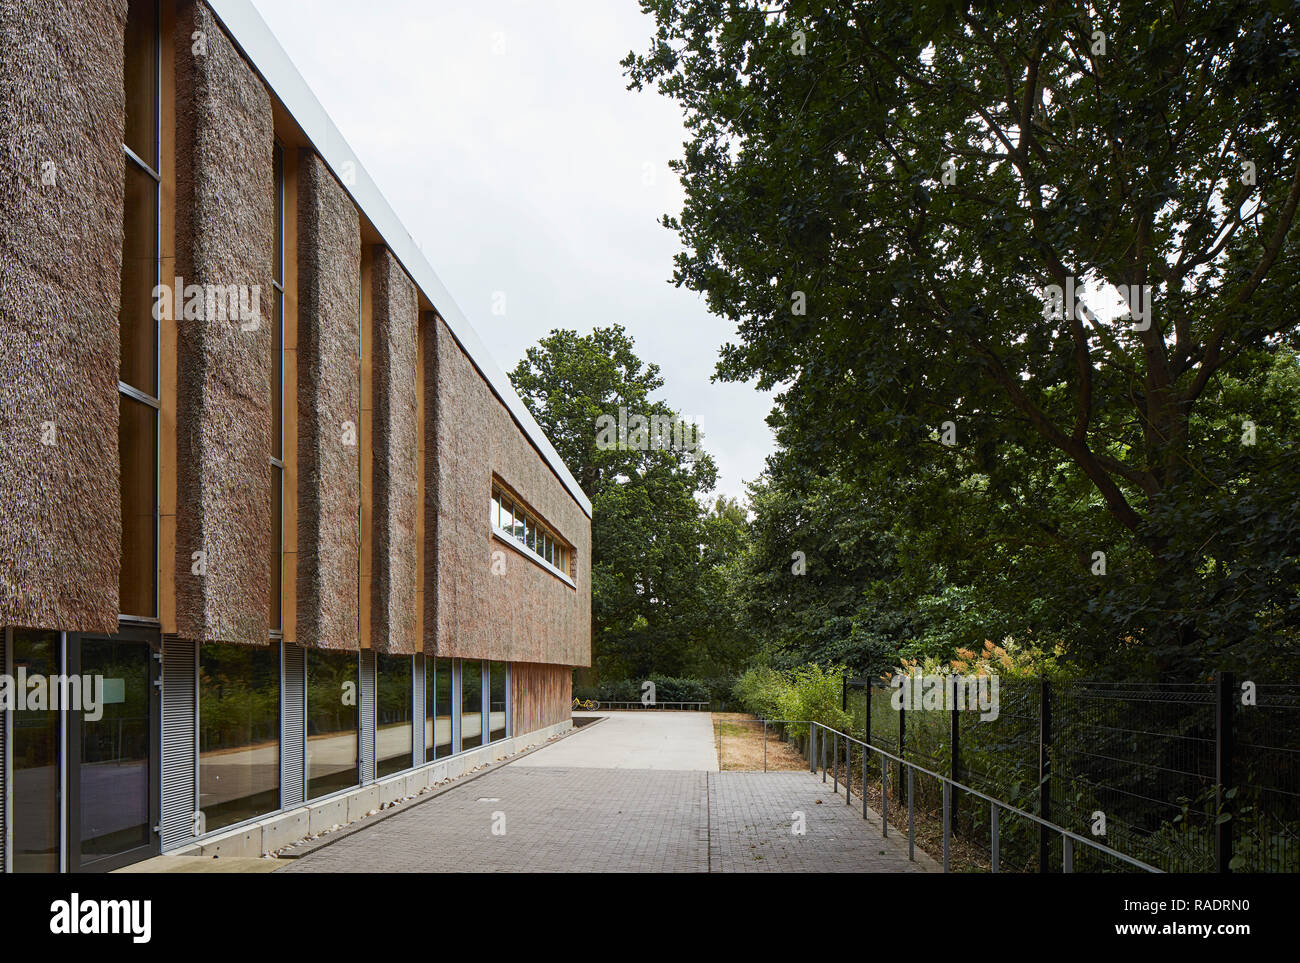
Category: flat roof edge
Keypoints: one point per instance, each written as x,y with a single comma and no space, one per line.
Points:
251,33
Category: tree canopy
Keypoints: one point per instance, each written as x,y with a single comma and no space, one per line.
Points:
894,201
658,554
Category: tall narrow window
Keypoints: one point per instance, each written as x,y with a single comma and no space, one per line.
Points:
471,704
437,687
138,364
277,402
393,744
34,807
496,701
332,683
239,733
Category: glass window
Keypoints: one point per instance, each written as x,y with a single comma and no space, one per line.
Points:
113,768
438,687
530,538
277,545
135,438
141,79
331,721
35,801
239,733
138,331
277,400
496,701
393,731
494,511
137,361
519,524
471,704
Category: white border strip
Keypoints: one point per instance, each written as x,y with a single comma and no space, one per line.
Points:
250,32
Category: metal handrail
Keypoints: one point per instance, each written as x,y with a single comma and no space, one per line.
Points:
651,705
1068,837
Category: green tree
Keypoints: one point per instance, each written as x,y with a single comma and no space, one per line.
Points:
649,605
881,197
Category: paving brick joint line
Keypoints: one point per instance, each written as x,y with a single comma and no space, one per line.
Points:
569,819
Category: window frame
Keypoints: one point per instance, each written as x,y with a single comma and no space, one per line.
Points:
525,522
128,392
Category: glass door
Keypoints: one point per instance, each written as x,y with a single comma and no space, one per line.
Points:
113,752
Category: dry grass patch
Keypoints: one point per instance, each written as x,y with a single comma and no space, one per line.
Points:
739,738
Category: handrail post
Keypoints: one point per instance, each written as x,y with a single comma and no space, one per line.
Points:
884,796
765,745
1223,782
835,761
911,819
993,835
821,744
1044,772
947,796
812,747
1067,854
902,738
848,772
865,754
954,753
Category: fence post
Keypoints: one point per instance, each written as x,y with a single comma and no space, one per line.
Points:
1044,771
1223,781
902,734
866,736
955,753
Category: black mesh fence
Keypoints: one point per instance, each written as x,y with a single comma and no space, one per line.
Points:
1134,766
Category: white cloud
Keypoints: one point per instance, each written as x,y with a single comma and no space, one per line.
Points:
523,172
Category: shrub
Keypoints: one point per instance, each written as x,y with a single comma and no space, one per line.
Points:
759,691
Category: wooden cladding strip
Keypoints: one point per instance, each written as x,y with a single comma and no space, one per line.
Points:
541,695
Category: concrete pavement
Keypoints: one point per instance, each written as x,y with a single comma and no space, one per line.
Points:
636,739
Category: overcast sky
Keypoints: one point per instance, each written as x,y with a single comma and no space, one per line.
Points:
503,136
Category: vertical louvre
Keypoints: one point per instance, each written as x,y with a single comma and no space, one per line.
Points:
419,709
367,716
179,741
293,726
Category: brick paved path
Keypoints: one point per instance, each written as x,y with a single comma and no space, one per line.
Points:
623,820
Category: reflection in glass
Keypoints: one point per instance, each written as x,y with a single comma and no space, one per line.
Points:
239,733
141,79
114,770
138,363
331,722
393,730
35,812
135,436
471,704
496,701
437,687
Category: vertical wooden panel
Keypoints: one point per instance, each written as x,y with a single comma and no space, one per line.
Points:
541,695
289,616
367,442
167,335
